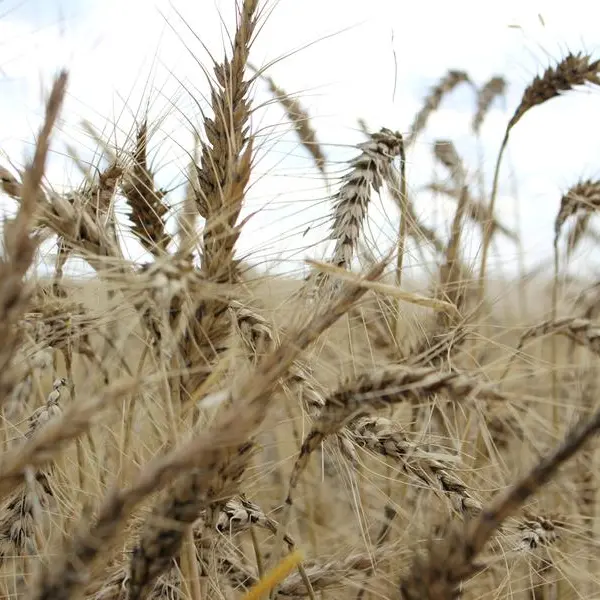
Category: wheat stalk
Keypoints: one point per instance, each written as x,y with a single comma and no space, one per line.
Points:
382,288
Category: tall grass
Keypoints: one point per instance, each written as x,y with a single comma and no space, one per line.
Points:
194,428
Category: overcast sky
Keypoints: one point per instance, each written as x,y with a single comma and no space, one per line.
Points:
346,59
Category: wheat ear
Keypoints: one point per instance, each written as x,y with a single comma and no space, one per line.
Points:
583,332
492,89
433,100
226,159
476,210
571,71
40,449
147,206
19,245
578,232
352,200
10,184
301,120
23,513
369,392
452,272
382,436
584,197
220,189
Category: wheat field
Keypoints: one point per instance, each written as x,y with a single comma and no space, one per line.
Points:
194,427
